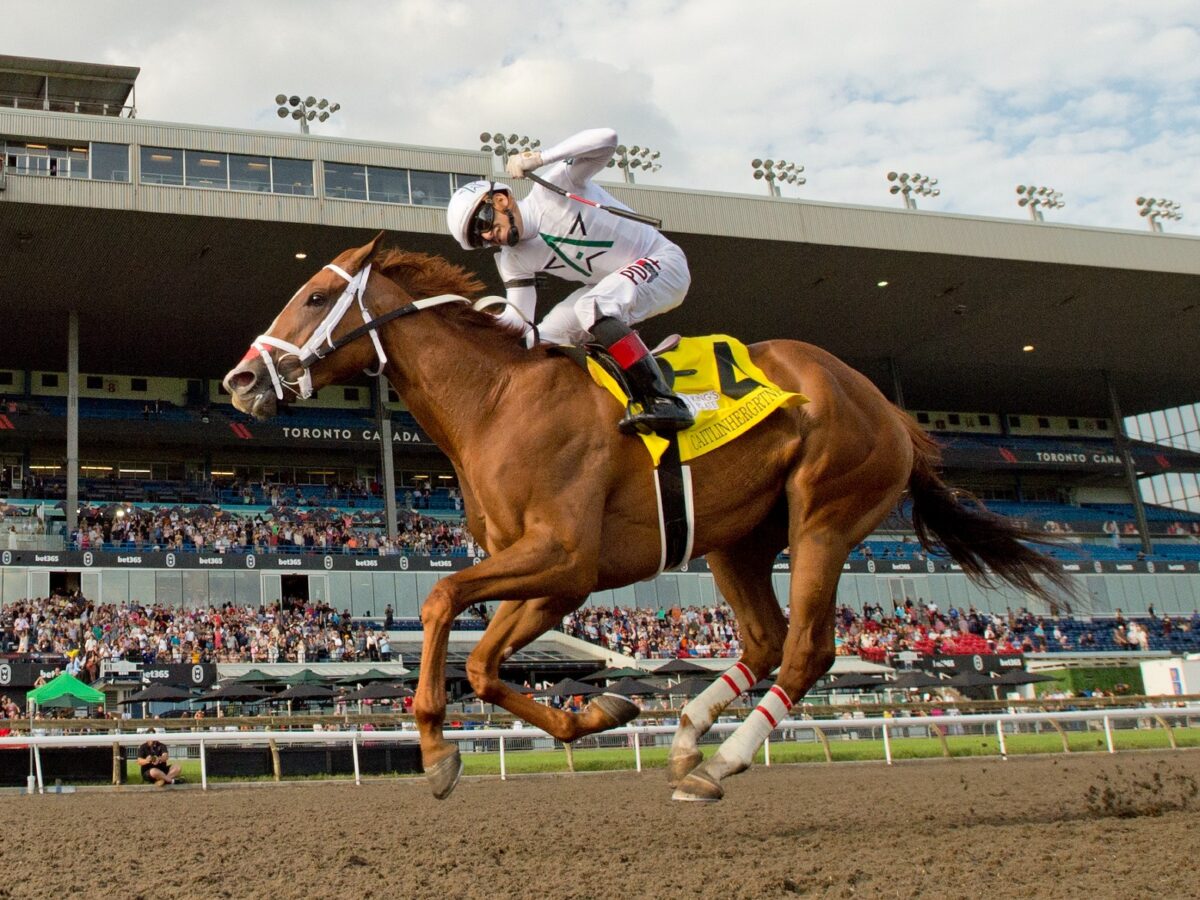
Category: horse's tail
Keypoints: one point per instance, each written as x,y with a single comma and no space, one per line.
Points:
982,542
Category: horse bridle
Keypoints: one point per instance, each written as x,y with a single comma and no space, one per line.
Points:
321,343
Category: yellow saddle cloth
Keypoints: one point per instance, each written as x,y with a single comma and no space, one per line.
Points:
728,394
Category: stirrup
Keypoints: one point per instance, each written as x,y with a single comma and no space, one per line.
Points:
658,415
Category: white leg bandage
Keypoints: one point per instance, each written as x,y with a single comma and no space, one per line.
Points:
739,748
702,711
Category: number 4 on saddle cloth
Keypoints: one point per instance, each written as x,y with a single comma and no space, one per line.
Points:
727,393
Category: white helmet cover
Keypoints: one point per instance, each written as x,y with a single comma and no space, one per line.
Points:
464,204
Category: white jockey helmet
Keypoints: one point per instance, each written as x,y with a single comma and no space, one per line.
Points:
464,204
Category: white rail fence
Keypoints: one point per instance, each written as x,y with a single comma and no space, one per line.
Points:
632,735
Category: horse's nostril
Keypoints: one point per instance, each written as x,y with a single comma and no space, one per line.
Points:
239,382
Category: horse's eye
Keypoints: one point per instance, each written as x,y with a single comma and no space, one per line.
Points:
317,299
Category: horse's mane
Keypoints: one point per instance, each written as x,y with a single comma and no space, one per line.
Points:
425,275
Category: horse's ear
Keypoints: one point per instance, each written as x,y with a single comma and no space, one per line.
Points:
365,253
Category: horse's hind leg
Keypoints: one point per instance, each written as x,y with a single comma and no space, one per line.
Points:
516,624
807,655
743,574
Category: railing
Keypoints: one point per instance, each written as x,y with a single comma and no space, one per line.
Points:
67,105
632,734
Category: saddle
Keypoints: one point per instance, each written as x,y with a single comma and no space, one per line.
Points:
728,394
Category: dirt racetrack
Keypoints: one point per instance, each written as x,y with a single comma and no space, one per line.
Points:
1078,826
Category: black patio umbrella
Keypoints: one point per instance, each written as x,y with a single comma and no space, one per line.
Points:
970,679
683,667
569,687
1014,677
157,693
612,674
689,687
856,682
914,680
632,687
235,693
379,691
413,675
519,688
305,692
366,677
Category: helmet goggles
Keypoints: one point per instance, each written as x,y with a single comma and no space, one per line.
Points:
482,221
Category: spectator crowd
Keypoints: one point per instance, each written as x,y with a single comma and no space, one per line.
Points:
87,633
282,530
877,634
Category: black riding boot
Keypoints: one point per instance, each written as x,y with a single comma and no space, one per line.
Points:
661,409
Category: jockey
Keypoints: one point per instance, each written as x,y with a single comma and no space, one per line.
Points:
629,271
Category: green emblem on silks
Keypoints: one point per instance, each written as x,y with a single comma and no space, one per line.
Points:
575,251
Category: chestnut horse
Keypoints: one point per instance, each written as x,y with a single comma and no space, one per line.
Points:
565,504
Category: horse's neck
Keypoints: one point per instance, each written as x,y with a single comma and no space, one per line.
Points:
449,374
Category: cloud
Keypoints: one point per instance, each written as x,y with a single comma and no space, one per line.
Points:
1099,100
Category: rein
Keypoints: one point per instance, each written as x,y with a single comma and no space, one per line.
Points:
321,343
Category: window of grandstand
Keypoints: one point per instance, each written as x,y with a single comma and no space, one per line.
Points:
50,379
292,176
102,162
345,182
138,384
206,170
350,393
431,188
110,162
249,173
226,171
94,383
388,185
162,166
380,184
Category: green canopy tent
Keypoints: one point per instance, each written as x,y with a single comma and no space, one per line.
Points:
306,676
65,685
257,676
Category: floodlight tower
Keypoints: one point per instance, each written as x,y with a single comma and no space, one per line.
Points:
772,172
306,110
505,146
912,186
1155,209
1038,198
629,158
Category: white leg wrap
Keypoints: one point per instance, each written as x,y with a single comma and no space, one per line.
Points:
739,748
706,706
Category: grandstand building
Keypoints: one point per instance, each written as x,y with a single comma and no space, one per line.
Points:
141,257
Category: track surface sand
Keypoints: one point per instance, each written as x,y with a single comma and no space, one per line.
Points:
1072,826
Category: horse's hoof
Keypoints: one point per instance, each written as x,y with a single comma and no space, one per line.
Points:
680,765
443,776
697,786
617,710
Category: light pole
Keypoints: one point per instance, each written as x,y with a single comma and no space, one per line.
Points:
1039,198
304,111
629,158
1155,209
774,171
912,186
506,146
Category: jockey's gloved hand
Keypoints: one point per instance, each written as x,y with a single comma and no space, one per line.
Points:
520,163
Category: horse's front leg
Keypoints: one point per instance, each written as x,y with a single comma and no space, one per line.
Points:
542,563
516,624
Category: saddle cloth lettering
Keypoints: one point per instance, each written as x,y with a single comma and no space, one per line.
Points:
728,394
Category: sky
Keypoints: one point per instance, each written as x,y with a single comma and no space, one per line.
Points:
1097,100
